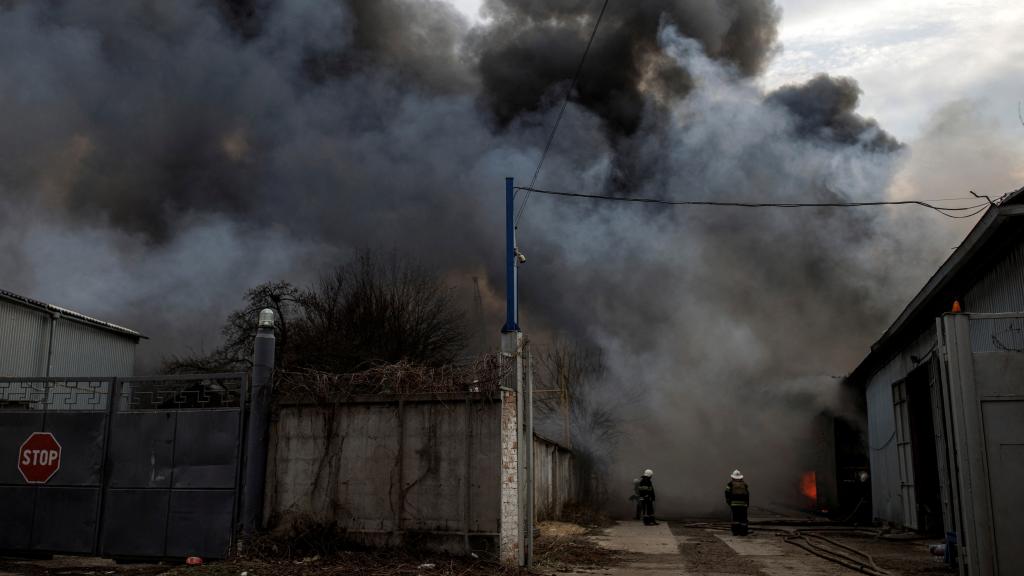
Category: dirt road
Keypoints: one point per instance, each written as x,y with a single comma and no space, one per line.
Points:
681,548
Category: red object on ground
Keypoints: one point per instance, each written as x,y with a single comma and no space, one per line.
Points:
194,561
39,458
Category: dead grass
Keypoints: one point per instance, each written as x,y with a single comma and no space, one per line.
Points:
323,549
556,529
393,562
586,516
566,547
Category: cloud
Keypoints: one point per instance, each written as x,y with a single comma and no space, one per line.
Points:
911,58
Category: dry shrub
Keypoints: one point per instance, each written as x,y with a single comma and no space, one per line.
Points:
310,547
483,374
303,539
586,515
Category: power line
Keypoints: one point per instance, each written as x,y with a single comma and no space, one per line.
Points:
951,212
558,119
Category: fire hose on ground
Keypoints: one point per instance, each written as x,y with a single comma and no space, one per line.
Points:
812,540
836,552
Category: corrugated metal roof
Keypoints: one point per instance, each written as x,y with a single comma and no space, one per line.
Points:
997,219
71,314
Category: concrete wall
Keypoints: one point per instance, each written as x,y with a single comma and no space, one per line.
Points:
387,468
554,483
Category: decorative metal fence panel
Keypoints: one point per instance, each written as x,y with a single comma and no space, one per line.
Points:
133,467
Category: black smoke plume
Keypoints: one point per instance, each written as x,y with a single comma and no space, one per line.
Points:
159,158
535,45
825,108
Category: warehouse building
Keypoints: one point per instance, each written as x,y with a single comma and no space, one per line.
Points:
39,339
944,394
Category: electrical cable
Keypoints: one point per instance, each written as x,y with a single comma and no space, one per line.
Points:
887,442
950,212
561,112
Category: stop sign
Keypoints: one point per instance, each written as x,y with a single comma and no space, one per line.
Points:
39,458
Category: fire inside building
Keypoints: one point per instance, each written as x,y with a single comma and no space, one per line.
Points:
942,397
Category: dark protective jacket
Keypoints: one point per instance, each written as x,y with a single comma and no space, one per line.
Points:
645,489
737,493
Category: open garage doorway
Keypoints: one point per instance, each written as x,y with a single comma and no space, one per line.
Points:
916,445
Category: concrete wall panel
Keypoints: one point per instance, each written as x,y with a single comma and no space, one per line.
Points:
554,484
388,468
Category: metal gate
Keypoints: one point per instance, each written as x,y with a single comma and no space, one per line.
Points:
146,467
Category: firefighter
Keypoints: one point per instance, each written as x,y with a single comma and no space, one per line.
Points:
645,490
636,497
737,495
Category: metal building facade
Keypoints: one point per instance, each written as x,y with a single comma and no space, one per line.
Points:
930,471
24,334
890,499
39,339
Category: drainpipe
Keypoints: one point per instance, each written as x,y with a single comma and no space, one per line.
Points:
49,347
258,434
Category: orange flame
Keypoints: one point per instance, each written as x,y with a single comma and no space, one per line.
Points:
809,485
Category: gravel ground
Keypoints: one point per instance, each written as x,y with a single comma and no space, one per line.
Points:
561,547
361,563
703,552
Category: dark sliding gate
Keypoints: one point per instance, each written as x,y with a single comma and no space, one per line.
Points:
147,467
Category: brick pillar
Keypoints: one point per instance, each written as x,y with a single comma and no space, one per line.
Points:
511,540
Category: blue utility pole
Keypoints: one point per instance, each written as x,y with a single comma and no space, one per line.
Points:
511,275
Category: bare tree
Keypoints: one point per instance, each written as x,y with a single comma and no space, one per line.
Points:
572,395
236,351
375,310
372,310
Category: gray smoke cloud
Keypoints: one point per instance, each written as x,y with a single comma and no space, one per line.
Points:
534,45
824,107
160,158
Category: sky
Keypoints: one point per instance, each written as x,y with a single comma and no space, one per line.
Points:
913,59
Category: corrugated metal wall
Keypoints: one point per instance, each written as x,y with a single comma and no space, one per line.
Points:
24,334
1001,289
886,493
78,349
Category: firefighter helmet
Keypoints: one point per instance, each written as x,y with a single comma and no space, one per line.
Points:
737,475
648,473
